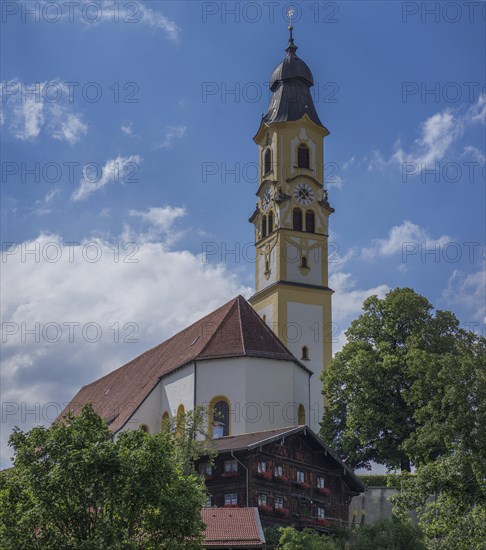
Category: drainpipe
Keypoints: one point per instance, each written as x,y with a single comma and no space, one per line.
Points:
239,462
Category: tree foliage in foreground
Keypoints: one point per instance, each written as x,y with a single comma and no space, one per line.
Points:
405,385
73,486
386,534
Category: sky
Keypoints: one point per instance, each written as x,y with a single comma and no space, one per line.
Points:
128,170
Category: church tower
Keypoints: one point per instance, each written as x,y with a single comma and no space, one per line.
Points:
291,222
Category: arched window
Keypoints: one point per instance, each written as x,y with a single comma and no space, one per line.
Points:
264,227
219,416
180,420
144,428
301,415
165,422
310,221
270,222
303,262
305,353
268,161
297,219
303,156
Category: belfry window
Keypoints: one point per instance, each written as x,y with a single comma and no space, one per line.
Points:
267,161
297,219
264,227
303,156
310,221
270,222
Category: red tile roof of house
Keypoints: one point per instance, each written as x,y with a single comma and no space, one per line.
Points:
234,527
233,330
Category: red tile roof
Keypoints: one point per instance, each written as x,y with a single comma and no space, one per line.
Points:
235,527
233,330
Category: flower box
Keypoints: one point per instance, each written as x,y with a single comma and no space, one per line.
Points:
229,474
283,512
208,477
265,508
323,522
324,491
265,475
281,478
302,484
231,506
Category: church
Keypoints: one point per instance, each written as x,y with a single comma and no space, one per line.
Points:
256,365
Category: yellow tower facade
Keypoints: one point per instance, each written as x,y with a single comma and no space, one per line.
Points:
291,222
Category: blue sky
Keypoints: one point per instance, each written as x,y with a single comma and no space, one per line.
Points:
151,161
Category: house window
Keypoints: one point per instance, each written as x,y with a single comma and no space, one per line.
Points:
321,483
279,503
310,222
301,415
305,353
230,499
321,513
206,469
297,219
230,466
303,263
300,476
278,471
270,222
208,503
264,227
220,415
262,467
303,156
262,499
268,161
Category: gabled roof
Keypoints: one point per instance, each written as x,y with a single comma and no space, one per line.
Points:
249,441
233,330
232,527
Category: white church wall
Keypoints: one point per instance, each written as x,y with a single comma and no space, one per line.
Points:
148,413
263,393
314,261
178,389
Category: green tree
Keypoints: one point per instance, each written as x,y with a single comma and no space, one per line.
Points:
308,539
389,534
377,387
73,486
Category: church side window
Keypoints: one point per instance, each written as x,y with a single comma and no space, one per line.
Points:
305,353
303,262
220,415
165,422
297,219
310,221
270,222
301,415
264,227
180,420
268,161
303,156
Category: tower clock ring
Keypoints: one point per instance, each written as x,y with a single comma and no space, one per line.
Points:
267,199
304,194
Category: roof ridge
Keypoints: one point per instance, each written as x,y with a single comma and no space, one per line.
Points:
226,437
210,339
238,299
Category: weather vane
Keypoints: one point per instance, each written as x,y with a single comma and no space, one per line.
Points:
290,14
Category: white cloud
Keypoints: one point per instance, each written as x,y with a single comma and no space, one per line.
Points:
437,136
475,153
161,224
335,181
114,171
171,134
43,206
30,109
127,129
468,291
402,239
140,287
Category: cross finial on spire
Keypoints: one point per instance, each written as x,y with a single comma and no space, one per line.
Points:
291,47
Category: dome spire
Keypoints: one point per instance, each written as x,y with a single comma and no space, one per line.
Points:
291,48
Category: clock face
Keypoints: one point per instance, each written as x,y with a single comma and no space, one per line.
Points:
304,194
267,199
